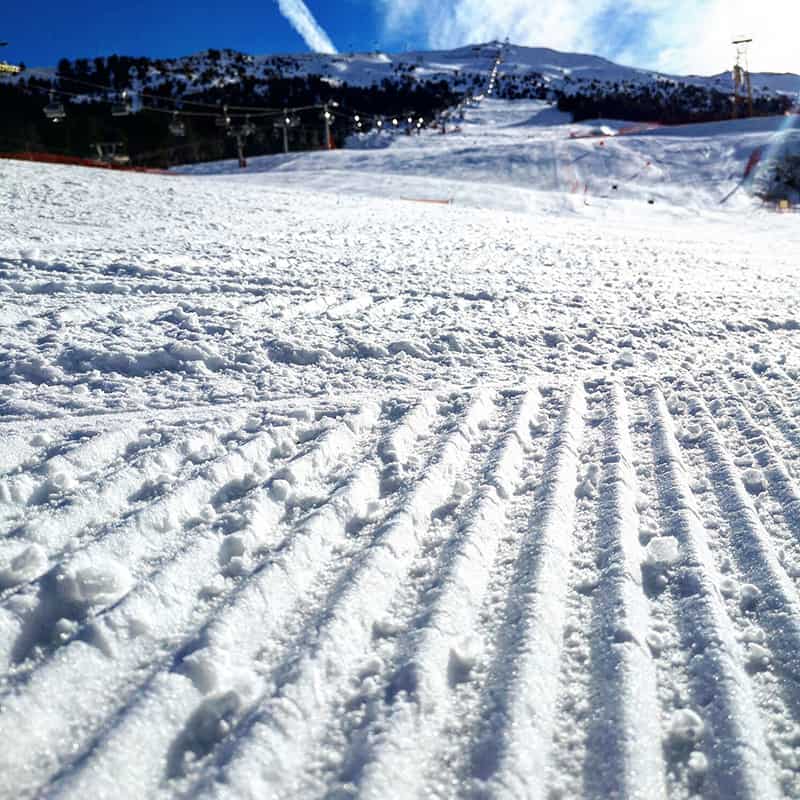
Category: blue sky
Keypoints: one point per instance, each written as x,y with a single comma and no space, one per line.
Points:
41,33
671,35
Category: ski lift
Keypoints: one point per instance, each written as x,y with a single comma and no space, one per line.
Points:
177,127
54,111
289,121
248,129
123,108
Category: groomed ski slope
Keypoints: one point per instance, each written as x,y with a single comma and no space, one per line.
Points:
311,490
527,156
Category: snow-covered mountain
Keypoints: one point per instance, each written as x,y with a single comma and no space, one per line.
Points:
365,87
558,68
459,67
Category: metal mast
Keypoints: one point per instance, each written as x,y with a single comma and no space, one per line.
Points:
742,84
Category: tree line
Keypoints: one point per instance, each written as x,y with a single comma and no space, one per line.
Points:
218,78
146,135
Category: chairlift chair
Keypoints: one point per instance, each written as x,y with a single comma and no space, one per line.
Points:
123,108
223,121
177,127
54,111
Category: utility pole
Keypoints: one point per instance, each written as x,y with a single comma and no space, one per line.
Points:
287,121
240,149
742,83
241,134
284,124
326,116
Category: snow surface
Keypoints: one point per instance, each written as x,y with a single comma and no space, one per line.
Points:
310,489
528,156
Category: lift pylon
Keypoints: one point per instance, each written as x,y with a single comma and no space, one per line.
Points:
742,84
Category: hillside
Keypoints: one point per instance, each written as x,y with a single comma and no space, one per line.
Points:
562,71
521,149
256,88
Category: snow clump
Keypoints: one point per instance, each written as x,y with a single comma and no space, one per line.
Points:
93,583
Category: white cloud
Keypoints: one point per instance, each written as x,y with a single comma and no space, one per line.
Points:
302,20
772,24
671,35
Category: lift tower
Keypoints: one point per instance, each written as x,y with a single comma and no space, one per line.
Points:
742,85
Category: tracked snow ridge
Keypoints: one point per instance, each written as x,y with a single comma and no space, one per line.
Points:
278,641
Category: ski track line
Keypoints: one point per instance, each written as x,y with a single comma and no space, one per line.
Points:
737,394
449,764
136,631
665,634
29,451
777,696
56,533
64,470
175,413
758,438
624,737
189,693
779,414
777,382
778,607
512,750
267,759
397,766
154,531
569,744
385,674
734,737
781,484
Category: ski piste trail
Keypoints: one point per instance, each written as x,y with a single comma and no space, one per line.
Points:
308,489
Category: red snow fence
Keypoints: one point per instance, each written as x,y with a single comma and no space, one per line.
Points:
54,158
427,200
753,161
